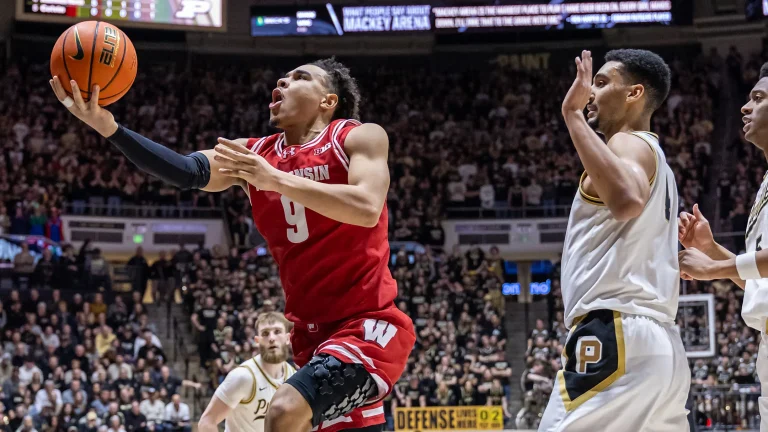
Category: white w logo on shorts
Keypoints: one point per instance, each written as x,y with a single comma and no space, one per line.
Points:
379,331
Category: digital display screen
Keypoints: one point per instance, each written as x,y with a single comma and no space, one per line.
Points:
756,9
191,14
337,20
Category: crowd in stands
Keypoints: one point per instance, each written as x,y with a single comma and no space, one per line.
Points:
462,140
455,301
79,361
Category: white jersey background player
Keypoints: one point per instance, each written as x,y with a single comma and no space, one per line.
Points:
624,364
705,259
243,397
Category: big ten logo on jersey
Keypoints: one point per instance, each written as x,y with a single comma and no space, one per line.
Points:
379,331
589,350
322,149
261,409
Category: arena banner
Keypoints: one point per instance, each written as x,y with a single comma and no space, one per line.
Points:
464,418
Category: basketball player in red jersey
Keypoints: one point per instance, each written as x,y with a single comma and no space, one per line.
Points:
318,192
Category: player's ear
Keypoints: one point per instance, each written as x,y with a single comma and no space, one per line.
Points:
636,93
330,101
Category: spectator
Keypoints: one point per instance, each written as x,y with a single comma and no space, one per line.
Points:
75,387
99,271
5,220
177,417
27,425
19,222
54,227
139,271
24,263
161,273
28,371
135,421
48,396
154,410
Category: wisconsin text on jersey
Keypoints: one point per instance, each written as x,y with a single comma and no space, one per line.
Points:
315,173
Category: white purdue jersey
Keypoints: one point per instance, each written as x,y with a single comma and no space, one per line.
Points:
626,266
755,307
248,390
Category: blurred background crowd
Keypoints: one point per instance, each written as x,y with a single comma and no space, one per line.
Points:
480,142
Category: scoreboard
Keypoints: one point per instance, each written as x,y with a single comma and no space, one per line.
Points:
173,14
455,17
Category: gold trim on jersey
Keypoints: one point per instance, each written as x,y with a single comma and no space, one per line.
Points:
620,370
757,207
640,134
253,387
596,200
266,376
585,196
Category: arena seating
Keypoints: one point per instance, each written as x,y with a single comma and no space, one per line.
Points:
78,360
483,144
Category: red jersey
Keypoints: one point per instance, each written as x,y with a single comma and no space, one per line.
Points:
330,271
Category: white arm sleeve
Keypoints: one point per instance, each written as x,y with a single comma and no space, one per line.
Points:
237,387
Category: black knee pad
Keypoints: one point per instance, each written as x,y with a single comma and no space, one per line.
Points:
332,388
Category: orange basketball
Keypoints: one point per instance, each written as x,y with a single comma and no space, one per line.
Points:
95,52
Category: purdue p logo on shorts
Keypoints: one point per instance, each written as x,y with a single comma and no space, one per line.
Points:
589,349
593,357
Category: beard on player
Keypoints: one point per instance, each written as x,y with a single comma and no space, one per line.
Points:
755,113
274,354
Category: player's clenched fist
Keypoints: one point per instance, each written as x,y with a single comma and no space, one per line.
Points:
581,90
697,265
237,161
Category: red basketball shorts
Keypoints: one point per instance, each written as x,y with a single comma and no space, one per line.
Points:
380,341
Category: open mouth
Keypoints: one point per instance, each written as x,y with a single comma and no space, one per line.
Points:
277,98
747,121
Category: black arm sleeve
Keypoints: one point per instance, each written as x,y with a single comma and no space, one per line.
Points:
185,172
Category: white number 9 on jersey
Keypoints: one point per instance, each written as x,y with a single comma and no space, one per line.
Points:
297,220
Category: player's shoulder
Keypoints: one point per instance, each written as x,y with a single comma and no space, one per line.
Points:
640,147
356,136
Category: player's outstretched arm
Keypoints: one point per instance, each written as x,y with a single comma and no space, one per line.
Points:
215,413
358,203
697,265
195,171
694,231
238,386
619,171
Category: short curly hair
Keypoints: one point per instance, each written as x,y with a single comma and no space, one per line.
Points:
646,68
344,86
764,71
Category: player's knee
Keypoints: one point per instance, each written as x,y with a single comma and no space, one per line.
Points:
288,407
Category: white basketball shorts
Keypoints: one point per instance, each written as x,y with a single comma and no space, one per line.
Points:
623,373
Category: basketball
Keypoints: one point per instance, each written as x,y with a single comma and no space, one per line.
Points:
91,53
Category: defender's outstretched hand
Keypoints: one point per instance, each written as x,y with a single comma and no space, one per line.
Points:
237,161
89,112
581,90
